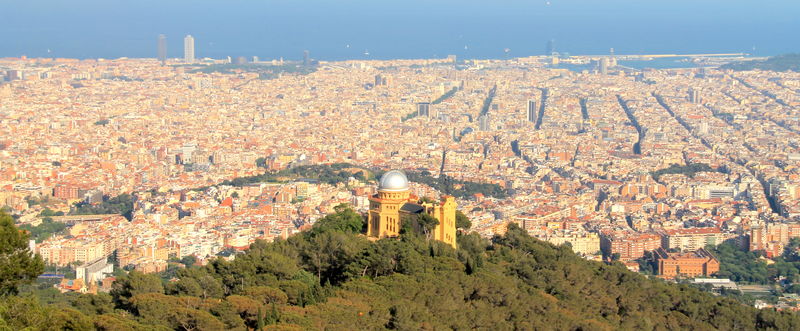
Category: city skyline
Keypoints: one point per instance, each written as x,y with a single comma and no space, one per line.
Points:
431,165
522,27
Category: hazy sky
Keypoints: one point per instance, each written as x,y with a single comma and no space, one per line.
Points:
396,29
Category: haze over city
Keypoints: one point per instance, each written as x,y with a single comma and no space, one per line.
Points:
397,29
400,165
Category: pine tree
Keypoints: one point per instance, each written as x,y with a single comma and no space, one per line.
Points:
260,321
18,265
273,317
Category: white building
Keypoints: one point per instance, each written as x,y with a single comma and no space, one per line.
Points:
188,49
94,271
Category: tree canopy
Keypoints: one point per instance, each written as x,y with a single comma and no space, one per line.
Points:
689,170
333,278
121,204
338,173
18,265
786,62
749,267
462,221
44,230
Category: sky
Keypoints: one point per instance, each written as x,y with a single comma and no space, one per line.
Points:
347,29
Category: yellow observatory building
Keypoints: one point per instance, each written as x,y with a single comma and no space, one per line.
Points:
394,203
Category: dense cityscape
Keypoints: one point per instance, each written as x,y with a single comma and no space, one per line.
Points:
689,175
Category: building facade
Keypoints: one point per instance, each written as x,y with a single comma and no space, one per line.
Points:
162,48
394,203
692,264
582,242
773,237
532,111
188,49
629,246
691,239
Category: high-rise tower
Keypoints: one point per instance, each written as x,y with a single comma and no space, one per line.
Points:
381,80
484,123
530,114
604,66
424,109
188,49
550,48
694,96
162,48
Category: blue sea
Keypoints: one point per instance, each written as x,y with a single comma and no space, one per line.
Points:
387,29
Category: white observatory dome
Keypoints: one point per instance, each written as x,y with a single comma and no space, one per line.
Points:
394,180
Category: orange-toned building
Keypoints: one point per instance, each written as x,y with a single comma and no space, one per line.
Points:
691,264
66,192
773,237
72,285
629,246
393,203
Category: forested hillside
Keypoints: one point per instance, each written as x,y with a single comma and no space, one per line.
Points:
786,62
333,278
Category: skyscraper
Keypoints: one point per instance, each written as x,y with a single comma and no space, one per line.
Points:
424,109
550,48
530,114
162,48
604,66
188,49
484,124
306,58
380,80
612,61
694,96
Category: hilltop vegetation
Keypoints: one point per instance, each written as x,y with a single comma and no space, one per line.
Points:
786,62
338,173
335,279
